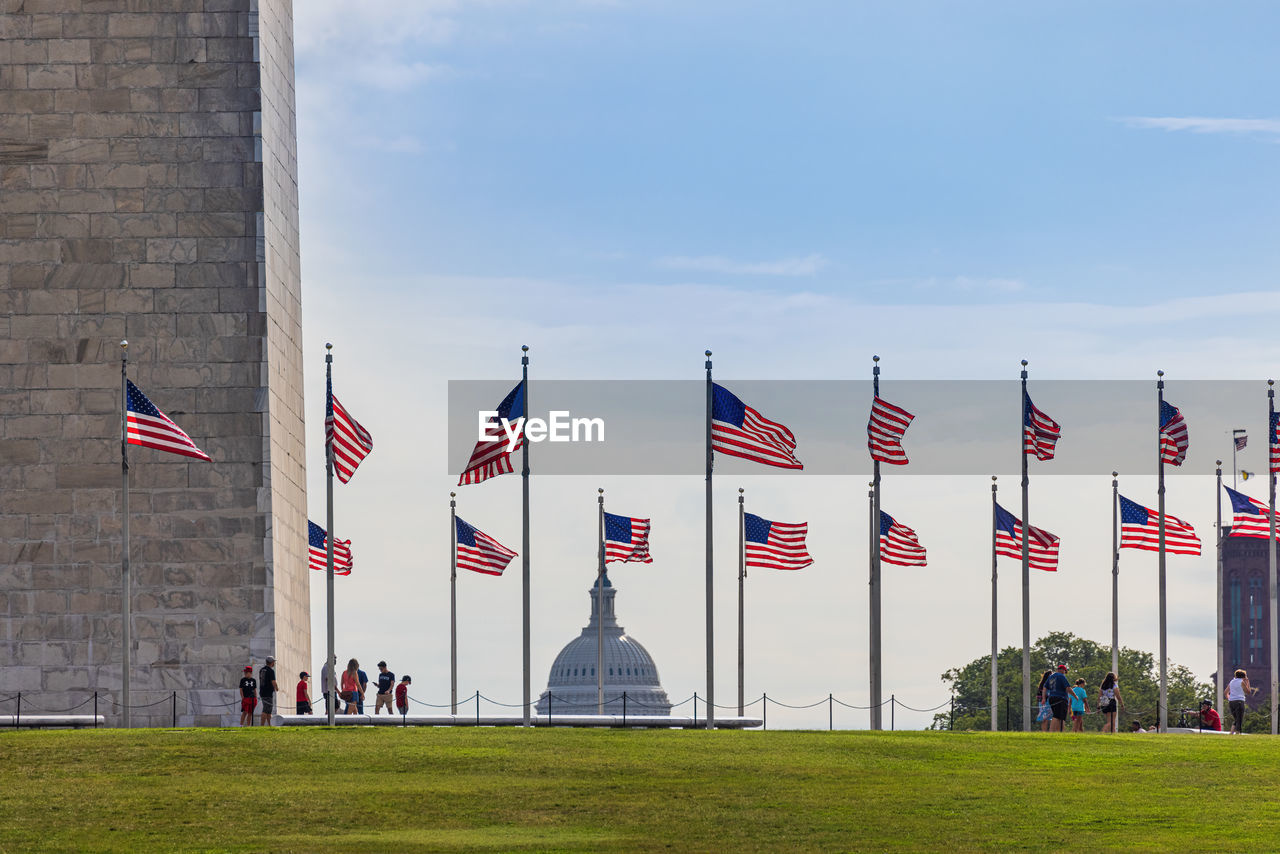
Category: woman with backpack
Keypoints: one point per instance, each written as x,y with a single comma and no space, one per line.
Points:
1110,696
351,686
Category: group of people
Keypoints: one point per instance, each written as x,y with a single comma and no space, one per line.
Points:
353,683
1057,697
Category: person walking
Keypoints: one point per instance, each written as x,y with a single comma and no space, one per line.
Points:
363,679
1079,705
1044,714
386,689
327,685
304,693
268,689
1237,690
1058,689
1109,697
351,686
248,696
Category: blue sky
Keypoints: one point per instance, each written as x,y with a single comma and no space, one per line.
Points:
795,186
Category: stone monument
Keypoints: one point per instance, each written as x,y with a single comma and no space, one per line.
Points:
148,191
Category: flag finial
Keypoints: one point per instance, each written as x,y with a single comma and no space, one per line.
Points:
1117,474
1159,373
1024,363
1271,382
708,354
124,344
993,477
453,495
600,490
328,345
875,358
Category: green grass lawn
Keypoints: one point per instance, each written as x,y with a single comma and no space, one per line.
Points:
622,790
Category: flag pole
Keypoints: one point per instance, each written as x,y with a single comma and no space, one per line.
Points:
995,668
453,603
711,707
1026,569
126,616
1218,528
600,610
1164,639
742,575
1271,556
1115,573
1234,468
874,585
524,483
331,699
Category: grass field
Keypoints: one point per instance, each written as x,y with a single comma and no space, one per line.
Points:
425,789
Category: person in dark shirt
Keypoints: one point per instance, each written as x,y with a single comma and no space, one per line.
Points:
386,686
402,695
1057,688
267,689
248,696
364,686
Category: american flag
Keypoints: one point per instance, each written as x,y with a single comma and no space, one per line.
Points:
1042,548
884,432
898,543
1275,442
740,431
491,458
1039,432
1173,434
351,443
318,557
1241,442
1140,529
1252,518
775,545
479,552
626,539
150,428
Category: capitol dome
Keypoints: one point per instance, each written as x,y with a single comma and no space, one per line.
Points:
571,687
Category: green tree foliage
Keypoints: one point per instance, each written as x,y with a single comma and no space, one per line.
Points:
1139,678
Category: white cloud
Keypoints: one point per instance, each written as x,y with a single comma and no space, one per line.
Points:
1199,124
805,266
394,75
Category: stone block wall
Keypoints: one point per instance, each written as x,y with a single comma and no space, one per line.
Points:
135,137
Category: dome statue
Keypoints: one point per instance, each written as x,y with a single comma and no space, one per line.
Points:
628,667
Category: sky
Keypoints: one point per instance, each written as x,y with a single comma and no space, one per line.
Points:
796,187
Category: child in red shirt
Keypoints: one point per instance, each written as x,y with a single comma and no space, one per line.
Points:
304,693
402,695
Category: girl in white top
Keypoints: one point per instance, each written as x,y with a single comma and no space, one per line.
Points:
1107,702
1237,690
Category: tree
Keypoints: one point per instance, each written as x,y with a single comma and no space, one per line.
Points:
1139,679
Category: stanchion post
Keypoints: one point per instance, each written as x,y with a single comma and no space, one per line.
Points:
174,701
477,707
95,709
831,718
624,708
951,723
695,709
892,708
765,705
17,719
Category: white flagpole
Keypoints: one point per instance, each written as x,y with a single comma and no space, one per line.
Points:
126,593
331,700
524,484
742,575
1218,537
600,611
1271,556
874,585
1026,567
995,650
453,603
1115,573
711,672
1164,636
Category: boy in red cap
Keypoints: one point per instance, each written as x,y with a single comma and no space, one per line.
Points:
248,696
